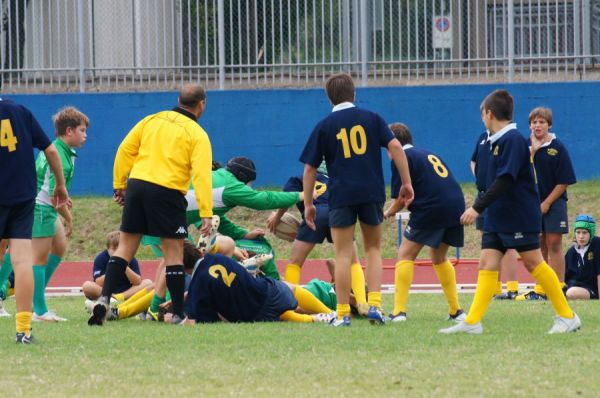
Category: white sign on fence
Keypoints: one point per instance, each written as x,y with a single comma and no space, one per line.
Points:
441,27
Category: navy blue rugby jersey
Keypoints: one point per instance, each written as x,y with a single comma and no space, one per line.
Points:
481,157
295,184
439,201
122,283
19,134
552,167
222,286
517,210
583,271
350,140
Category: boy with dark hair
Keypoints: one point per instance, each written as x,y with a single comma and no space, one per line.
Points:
20,132
583,261
350,141
513,219
554,173
434,222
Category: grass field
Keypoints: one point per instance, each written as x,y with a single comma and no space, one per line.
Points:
514,357
96,216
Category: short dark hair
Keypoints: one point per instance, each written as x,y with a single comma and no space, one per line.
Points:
191,94
191,255
541,112
340,88
500,103
402,133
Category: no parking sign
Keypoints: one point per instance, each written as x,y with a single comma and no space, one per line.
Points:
441,28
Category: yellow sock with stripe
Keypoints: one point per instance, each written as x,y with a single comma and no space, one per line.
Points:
358,283
374,299
512,286
119,296
402,280
342,310
132,308
546,277
292,316
23,322
292,273
484,292
447,277
308,302
539,289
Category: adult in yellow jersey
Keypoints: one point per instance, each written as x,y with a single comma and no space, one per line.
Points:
160,155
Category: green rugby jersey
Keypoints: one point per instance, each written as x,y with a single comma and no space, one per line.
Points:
45,178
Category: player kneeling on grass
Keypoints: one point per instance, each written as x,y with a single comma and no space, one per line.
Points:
583,261
434,222
222,289
129,284
512,220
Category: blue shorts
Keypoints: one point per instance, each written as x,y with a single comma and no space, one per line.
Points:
16,221
305,234
500,241
452,236
593,292
480,218
279,300
368,213
556,221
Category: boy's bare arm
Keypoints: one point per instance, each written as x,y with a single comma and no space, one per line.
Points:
60,196
65,213
308,183
134,278
399,158
558,190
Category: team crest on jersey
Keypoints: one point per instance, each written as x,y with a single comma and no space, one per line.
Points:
590,256
496,151
552,152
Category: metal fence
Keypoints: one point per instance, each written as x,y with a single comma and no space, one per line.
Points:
101,45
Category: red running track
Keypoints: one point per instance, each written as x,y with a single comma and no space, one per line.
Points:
70,275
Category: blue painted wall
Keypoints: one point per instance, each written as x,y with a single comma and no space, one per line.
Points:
271,126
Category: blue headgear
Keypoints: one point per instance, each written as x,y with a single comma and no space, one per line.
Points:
587,222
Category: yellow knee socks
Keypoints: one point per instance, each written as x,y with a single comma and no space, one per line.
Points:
308,302
292,273
447,277
546,277
23,322
484,292
403,280
358,283
292,316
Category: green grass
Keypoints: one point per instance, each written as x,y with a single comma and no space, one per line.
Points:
514,357
94,217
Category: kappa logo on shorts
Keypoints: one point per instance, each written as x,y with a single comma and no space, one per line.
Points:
518,235
181,230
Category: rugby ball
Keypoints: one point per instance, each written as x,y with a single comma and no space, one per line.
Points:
287,227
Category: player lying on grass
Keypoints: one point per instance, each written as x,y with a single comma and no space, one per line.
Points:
307,238
222,290
434,222
583,261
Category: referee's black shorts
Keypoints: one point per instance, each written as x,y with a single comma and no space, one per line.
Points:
151,209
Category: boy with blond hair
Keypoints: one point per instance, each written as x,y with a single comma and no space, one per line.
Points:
350,141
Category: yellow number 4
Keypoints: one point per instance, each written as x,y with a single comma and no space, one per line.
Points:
217,270
357,133
7,136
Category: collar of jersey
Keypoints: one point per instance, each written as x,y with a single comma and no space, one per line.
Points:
62,144
582,250
196,265
552,138
342,106
407,146
499,134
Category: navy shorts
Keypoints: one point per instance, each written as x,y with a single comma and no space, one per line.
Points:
556,220
452,236
593,292
368,213
16,221
305,234
279,300
521,242
481,218
152,209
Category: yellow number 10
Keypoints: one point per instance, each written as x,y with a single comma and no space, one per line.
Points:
7,136
357,133
438,167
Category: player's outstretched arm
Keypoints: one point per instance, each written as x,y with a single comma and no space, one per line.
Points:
60,197
308,183
399,157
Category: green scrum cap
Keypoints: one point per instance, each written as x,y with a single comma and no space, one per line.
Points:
587,222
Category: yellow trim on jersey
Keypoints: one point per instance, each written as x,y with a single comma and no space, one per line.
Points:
168,149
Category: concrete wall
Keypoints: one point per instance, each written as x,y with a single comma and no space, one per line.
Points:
271,126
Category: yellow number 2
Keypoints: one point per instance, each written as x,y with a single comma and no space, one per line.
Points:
439,168
357,133
217,270
7,136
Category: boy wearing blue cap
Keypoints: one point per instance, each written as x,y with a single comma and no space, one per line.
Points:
582,261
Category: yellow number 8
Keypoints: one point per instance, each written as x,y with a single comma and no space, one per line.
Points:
439,168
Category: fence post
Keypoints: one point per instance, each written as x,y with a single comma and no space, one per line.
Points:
363,43
586,18
221,29
511,41
81,39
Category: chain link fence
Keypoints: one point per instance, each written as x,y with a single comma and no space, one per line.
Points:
113,45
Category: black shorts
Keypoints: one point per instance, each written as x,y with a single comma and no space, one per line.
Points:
521,242
368,213
151,209
16,221
306,234
556,220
